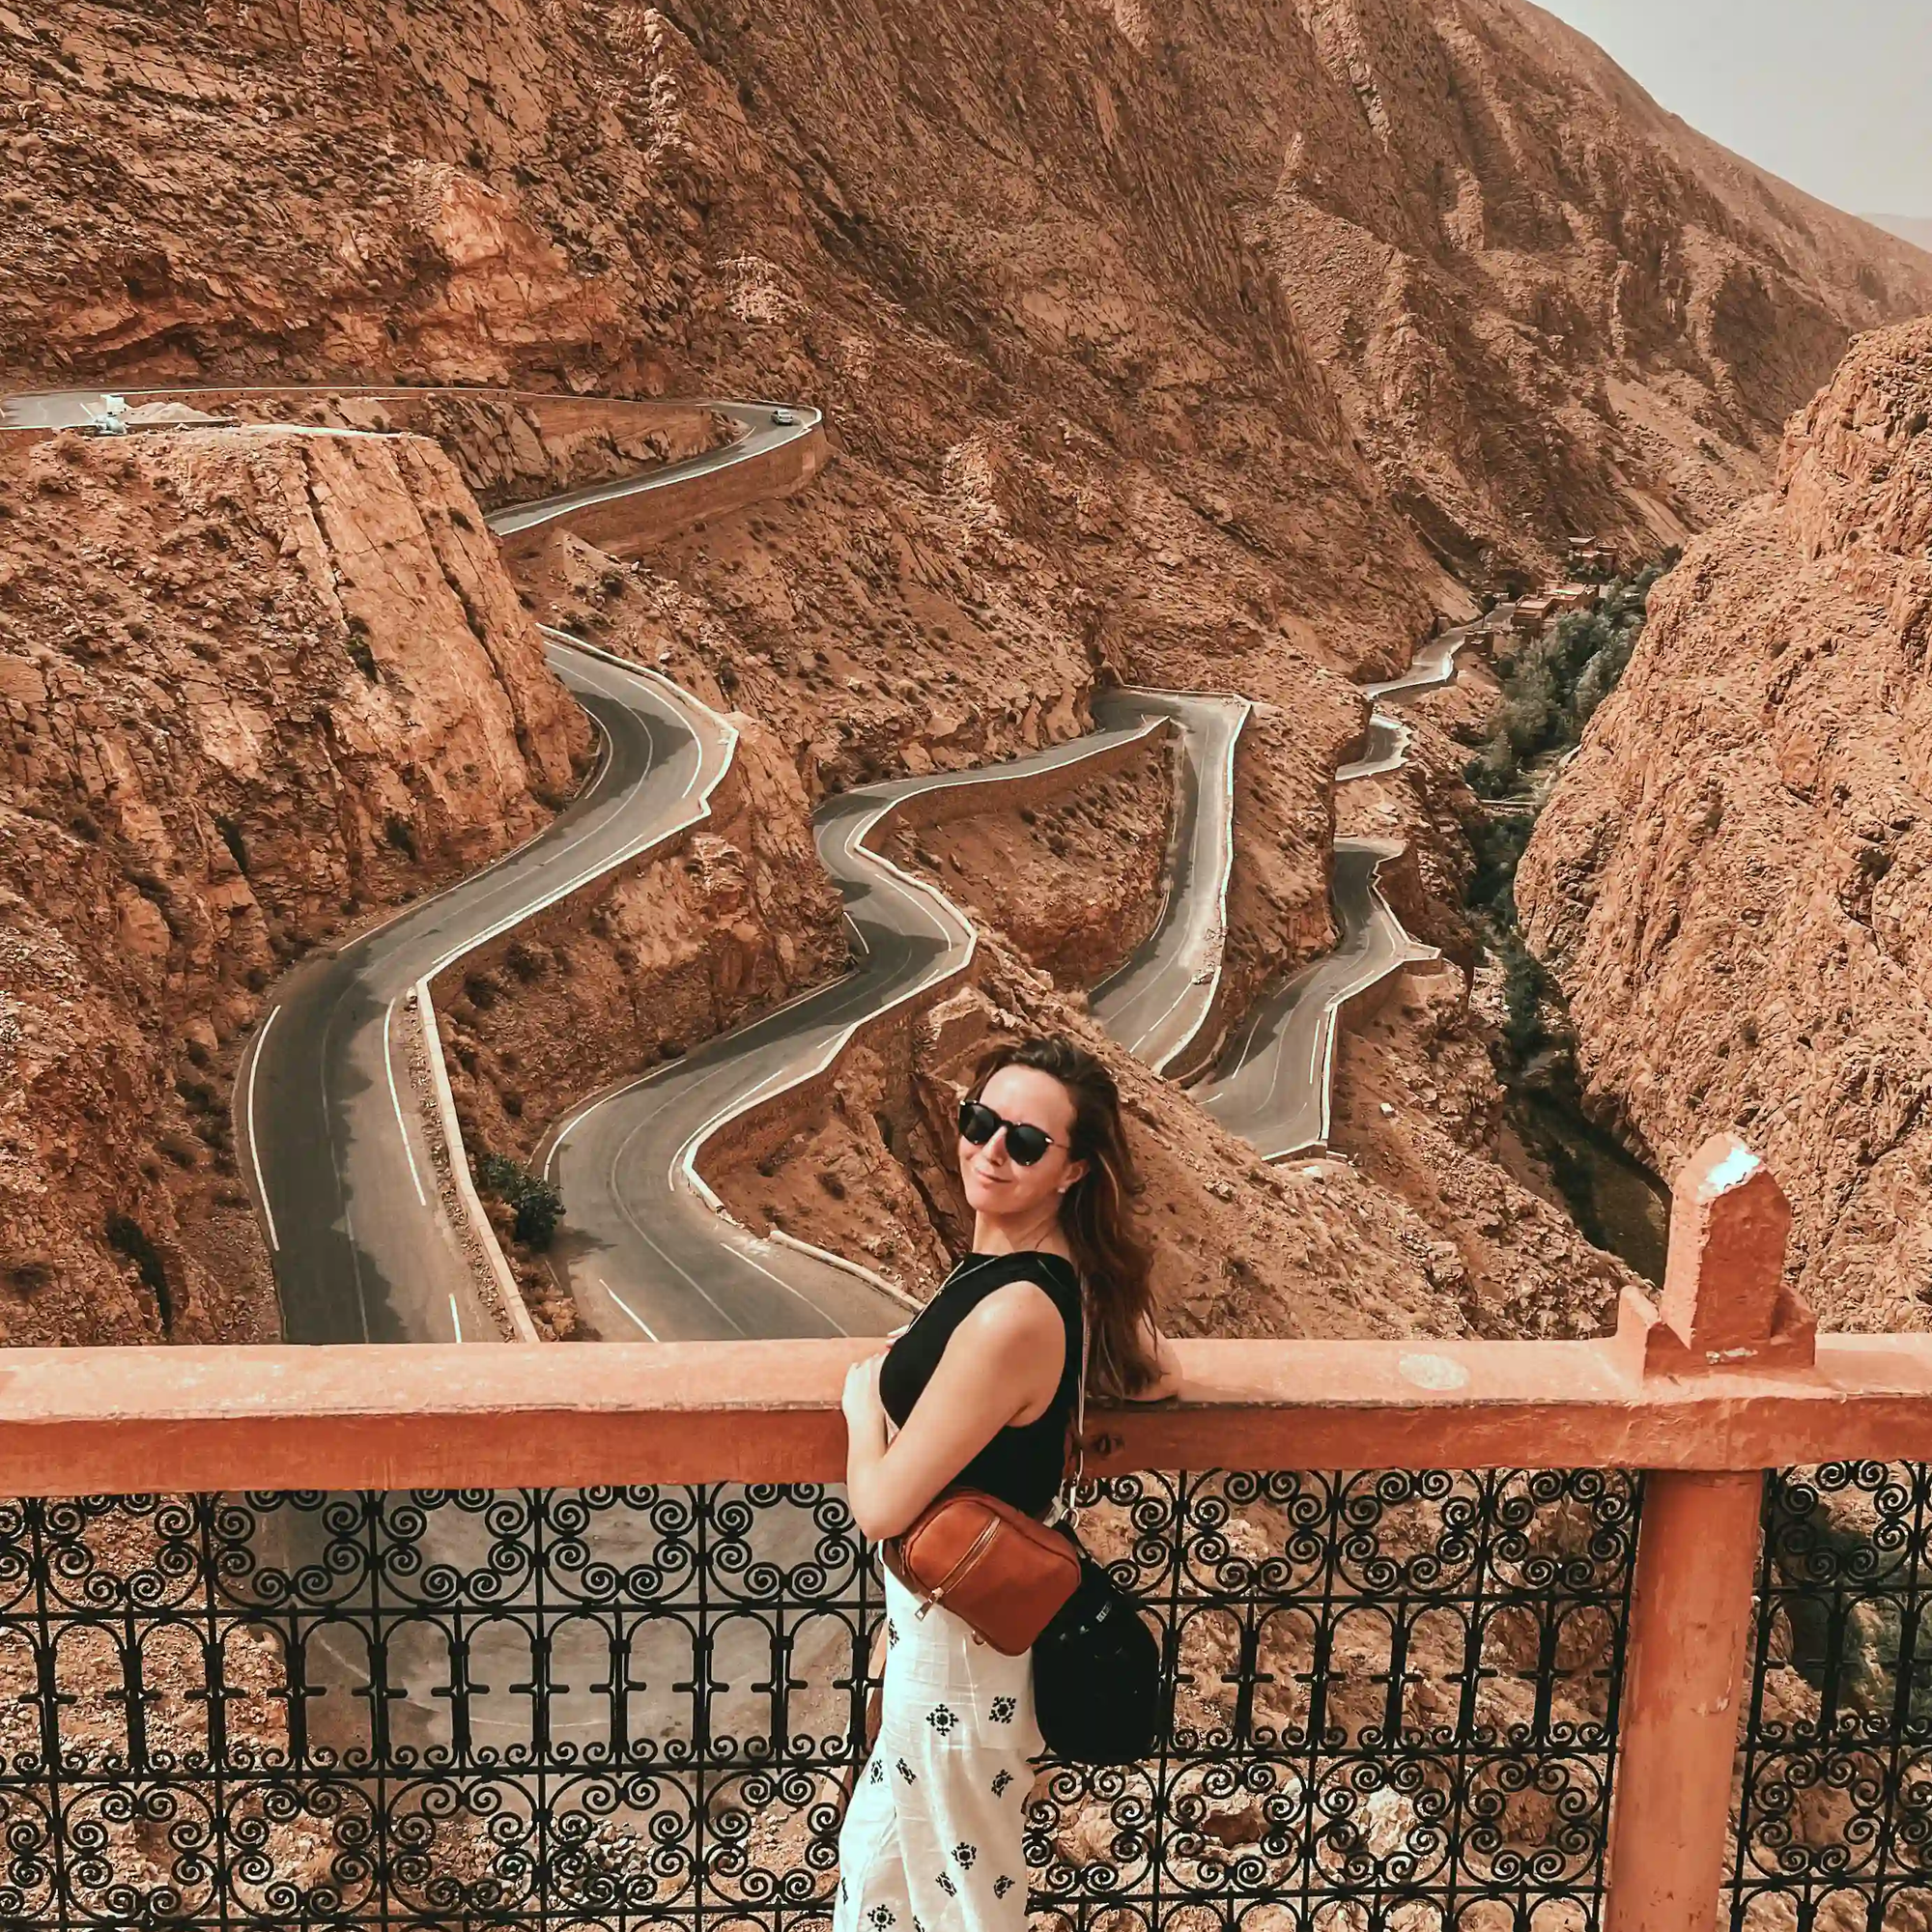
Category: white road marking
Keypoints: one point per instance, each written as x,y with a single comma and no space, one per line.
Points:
402,1124
1187,986
654,836
649,1332
455,1319
254,1140
637,1228
795,1293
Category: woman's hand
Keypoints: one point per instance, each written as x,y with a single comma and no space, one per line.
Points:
860,1397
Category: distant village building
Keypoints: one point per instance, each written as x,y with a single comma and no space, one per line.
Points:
1531,614
1572,596
1587,553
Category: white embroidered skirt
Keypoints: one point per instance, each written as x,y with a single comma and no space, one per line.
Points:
933,1838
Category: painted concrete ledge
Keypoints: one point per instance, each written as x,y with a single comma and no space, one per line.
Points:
432,1415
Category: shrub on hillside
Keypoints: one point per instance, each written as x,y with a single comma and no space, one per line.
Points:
1554,683
1522,998
536,1203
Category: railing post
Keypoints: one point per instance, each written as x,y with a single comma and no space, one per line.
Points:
1724,1307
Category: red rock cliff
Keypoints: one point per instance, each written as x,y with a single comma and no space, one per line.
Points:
253,684
1734,879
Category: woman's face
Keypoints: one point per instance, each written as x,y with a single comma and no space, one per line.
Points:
998,1184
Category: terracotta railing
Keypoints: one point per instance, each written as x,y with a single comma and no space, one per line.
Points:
1703,1394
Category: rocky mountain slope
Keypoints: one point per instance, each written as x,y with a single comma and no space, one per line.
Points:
1199,349
256,686
1157,285
1733,880
1548,304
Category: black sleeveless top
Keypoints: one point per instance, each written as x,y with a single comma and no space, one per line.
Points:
1022,1464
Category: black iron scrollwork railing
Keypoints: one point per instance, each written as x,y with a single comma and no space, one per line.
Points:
1395,1703
1834,1786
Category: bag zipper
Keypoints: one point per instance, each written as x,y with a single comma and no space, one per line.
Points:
963,1567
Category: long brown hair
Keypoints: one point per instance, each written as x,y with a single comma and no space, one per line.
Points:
1097,1214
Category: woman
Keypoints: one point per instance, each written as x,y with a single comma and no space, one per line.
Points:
980,1391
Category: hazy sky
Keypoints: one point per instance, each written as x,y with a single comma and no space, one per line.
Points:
1834,95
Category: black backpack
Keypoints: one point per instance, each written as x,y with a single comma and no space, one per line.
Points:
1096,1676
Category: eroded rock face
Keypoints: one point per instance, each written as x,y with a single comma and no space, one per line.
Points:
1734,878
509,448
1075,882
1310,1247
1546,303
1256,251
1187,348
256,686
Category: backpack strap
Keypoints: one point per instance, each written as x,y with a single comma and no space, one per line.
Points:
1073,1469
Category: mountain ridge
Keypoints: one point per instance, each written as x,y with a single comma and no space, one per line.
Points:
1917,229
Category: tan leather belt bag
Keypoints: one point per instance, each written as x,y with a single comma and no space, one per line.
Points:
997,1569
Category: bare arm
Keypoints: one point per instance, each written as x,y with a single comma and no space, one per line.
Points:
1000,1364
1168,1381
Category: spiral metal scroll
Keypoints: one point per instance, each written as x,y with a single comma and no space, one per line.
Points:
1394,1704
1835,1818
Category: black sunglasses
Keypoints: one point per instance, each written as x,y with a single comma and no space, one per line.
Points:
1025,1141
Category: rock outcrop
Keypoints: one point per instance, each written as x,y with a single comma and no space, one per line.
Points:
1173,285
257,684
1733,881
1075,884
510,447
1313,1247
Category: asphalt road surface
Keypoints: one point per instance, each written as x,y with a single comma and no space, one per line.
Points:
1157,1004
1386,750
763,426
327,1125
1273,1080
1273,1084
643,1250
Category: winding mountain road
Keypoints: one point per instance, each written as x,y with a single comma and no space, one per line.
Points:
366,1248
1160,1002
1274,1084
763,427
369,1241
372,1239
371,1236
640,1215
